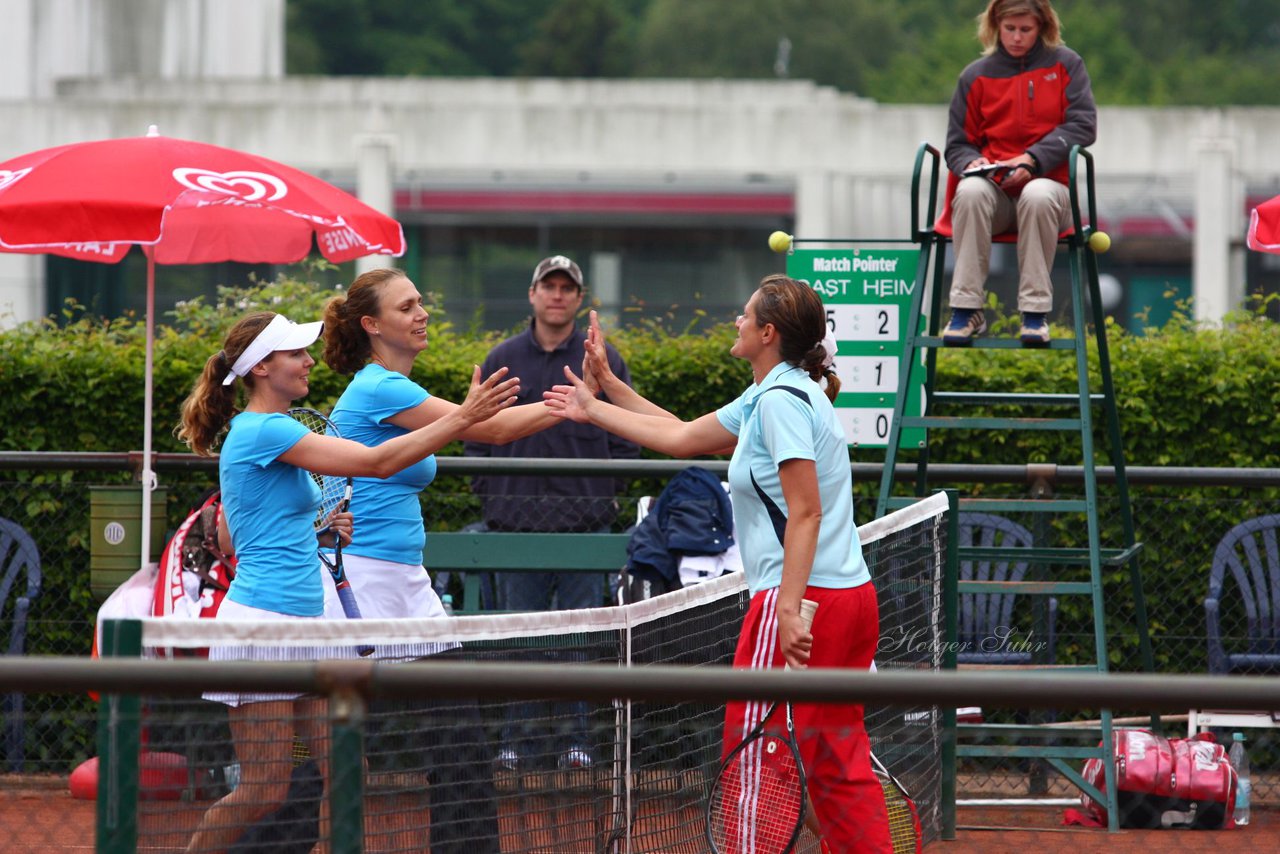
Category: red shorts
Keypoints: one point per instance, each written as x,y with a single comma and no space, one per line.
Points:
845,792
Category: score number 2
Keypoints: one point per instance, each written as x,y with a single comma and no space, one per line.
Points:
863,322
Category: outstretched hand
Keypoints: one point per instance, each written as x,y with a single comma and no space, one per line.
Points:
570,401
489,397
595,360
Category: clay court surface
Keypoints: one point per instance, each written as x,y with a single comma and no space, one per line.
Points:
38,815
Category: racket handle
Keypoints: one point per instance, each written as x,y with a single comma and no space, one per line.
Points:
352,610
808,608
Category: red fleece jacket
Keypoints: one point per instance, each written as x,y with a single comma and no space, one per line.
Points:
1041,103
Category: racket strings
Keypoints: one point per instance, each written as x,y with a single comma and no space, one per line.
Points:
904,828
758,801
333,489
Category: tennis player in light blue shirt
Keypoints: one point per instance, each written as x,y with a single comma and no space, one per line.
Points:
390,516
786,417
375,330
270,510
793,511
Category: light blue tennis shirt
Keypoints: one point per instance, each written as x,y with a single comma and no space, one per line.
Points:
388,517
271,510
788,417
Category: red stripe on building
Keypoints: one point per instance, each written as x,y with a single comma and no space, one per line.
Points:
553,201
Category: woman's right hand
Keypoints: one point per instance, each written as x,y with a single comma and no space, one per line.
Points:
596,373
488,398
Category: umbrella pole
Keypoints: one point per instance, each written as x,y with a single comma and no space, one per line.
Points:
148,477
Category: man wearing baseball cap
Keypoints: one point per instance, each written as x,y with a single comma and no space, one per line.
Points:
538,355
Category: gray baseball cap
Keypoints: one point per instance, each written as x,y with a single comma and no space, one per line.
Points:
557,262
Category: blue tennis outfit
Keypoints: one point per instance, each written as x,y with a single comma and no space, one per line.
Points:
389,516
271,509
785,417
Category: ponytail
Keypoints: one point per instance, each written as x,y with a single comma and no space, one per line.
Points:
211,405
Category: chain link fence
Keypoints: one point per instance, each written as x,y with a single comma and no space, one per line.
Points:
1180,520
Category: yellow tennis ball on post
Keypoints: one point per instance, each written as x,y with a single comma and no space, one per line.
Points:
1099,242
779,241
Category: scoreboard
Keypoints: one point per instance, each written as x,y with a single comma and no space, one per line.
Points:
867,293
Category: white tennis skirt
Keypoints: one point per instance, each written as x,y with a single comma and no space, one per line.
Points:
388,590
230,610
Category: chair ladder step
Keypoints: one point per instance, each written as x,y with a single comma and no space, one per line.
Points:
1029,751
1032,668
1027,588
997,344
992,398
1041,554
943,422
1003,505
1056,732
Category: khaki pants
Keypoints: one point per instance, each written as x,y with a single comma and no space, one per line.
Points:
979,210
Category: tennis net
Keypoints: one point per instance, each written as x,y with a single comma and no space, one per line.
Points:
453,775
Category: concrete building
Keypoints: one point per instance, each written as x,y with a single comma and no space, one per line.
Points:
665,190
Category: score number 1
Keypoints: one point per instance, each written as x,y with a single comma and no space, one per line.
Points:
863,322
868,374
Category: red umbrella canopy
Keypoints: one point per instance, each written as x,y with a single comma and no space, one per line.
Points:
194,203
1264,227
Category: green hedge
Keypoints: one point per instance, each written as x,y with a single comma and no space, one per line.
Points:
1188,396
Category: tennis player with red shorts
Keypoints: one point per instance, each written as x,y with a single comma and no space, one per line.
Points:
793,513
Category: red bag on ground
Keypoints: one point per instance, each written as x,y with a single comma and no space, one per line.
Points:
1189,778
194,573
191,579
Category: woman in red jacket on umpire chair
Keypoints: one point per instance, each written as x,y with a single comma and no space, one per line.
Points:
1015,116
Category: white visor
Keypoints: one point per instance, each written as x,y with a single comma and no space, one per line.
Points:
280,334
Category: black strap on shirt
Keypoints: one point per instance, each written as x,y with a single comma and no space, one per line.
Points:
776,516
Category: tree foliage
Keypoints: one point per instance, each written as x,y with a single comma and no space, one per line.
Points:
1142,52
833,42
579,38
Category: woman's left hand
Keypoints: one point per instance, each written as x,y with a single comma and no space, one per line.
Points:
341,524
570,401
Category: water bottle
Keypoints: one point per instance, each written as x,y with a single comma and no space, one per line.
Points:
231,775
1240,761
447,601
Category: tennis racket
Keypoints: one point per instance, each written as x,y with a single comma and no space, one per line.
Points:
904,819
335,495
758,801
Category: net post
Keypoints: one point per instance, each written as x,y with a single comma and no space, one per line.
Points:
119,741
950,636
346,771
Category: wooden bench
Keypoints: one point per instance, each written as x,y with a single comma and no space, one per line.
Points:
475,553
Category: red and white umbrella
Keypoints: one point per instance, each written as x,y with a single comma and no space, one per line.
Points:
1264,227
183,202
